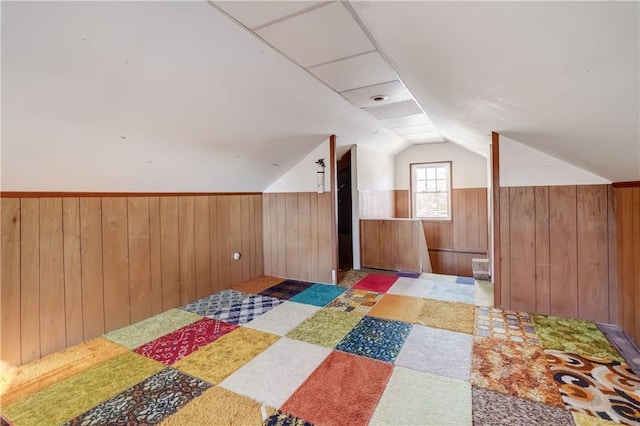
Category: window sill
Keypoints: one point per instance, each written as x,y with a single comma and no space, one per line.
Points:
426,219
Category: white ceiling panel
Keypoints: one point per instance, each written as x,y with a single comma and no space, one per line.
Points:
429,137
410,130
393,90
397,109
253,14
407,120
358,71
319,36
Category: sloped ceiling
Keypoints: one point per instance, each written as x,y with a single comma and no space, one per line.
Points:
561,77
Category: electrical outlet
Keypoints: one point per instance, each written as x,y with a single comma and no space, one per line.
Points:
237,256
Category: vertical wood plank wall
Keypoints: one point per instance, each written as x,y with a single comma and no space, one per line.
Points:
627,207
452,244
297,235
377,204
555,251
74,268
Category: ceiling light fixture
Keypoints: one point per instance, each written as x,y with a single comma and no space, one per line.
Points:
379,98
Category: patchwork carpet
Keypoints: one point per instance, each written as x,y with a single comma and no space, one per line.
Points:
384,348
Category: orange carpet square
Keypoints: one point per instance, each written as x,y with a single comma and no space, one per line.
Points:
399,308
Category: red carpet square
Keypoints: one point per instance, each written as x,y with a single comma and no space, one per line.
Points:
344,389
175,346
377,283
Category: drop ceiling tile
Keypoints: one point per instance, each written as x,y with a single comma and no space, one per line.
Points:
253,14
397,109
318,36
407,120
411,130
355,72
394,90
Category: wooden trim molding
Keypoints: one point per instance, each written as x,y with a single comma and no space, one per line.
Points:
630,184
334,207
26,194
456,250
495,189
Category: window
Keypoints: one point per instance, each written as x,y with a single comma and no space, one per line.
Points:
431,190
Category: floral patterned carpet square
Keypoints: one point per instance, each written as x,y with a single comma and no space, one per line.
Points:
248,309
318,294
350,278
508,325
399,308
355,301
147,402
498,365
575,336
175,346
326,328
286,289
210,304
447,315
376,282
376,338
598,387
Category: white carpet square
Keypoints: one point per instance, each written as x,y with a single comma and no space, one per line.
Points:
283,318
414,287
274,375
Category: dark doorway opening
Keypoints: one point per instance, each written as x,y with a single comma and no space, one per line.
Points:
345,231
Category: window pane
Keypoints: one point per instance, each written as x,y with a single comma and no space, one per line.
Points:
421,186
431,173
431,205
442,173
442,186
431,186
420,173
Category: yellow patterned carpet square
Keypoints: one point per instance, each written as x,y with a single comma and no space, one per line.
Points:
587,420
257,285
33,377
216,361
514,369
218,406
452,316
65,400
350,278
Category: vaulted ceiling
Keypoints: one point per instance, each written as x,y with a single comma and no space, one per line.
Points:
195,96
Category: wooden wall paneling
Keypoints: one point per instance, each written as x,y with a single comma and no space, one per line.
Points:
202,246
213,244
615,313
505,266
472,218
483,220
248,235
235,237
495,252
155,256
461,220
186,235
401,203
140,296
258,243
385,253
593,273
281,234
542,242
72,271
10,302
562,253
304,236
29,246
266,231
92,270
427,227
522,248
170,252
52,315
369,241
624,213
224,241
115,259
313,223
636,262
275,253
325,248
408,255
291,234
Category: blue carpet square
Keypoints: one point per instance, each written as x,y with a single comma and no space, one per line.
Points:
210,304
318,294
465,280
408,274
376,338
245,311
452,292
286,289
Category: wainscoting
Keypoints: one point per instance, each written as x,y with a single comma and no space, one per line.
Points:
74,267
377,204
627,206
297,235
556,246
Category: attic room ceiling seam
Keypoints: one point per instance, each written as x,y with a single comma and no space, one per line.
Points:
290,16
333,61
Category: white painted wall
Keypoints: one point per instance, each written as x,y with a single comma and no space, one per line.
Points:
303,176
469,169
521,165
375,170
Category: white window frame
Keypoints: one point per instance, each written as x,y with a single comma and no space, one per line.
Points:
413,185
